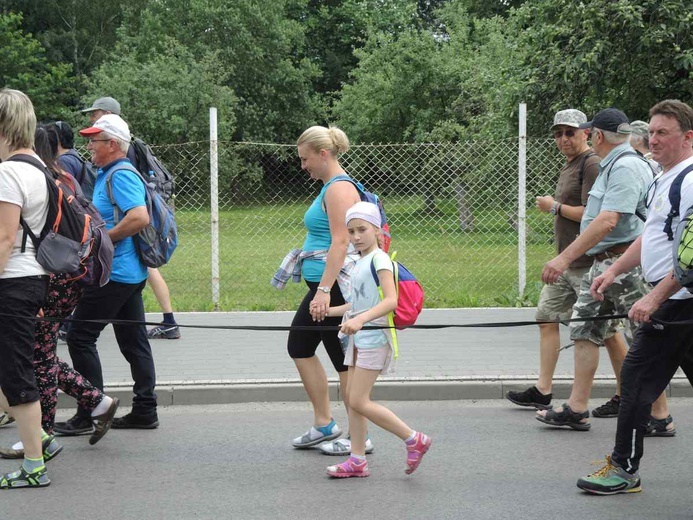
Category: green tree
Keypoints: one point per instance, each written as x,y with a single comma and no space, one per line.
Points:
256,45
599,53
23,66
334,29
166,98
80,32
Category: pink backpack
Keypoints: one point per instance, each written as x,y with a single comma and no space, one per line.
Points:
410,294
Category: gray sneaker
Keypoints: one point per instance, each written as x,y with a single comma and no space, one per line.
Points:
342,447
164,332
315,436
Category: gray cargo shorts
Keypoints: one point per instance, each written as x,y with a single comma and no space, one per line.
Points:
556,300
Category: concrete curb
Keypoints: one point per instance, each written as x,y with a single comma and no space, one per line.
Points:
385,390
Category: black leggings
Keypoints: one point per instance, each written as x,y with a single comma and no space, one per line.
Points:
302,344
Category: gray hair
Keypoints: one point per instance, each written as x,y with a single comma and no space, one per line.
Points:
614,137
639,140
122,145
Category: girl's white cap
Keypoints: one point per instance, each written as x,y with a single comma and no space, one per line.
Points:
365,211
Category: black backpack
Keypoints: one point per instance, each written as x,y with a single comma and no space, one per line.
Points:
88,175
74,239
675,201
152,170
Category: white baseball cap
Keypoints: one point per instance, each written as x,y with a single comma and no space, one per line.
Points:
111,124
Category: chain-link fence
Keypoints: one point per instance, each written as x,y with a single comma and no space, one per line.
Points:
452,208
453,212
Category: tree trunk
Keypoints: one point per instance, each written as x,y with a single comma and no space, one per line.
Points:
465,214
429,203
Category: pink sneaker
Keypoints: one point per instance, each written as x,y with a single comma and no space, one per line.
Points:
416,449
351,467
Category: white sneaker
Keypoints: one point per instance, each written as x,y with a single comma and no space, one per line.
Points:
342,447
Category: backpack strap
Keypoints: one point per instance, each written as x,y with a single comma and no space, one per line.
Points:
675,201
628,154
359,187
581,174
109,185
36,163
390,315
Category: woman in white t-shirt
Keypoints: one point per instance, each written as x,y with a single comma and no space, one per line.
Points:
369,352
23,285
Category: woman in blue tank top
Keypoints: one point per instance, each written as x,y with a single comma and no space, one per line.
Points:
327,237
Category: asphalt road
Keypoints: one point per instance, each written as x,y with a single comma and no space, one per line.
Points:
488,461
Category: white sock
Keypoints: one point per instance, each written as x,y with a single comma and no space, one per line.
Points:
18,446
102,407
359,457
411,437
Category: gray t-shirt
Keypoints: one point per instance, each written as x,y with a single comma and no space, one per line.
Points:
620,187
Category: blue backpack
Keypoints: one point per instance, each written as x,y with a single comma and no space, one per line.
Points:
156,243
367,196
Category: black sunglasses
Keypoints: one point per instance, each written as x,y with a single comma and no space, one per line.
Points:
560,133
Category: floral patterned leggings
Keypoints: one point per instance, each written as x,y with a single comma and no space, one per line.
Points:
51,372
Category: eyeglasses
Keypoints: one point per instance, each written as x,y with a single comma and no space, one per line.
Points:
560,133
651,190
98,140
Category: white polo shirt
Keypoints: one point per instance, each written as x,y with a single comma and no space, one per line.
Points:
656,255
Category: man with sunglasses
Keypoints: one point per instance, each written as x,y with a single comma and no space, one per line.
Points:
169,329
556,300
121,297
609,224
658,349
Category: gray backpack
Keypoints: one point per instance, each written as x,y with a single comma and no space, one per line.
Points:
156,242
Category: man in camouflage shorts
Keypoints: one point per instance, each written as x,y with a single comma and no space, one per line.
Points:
612,220
556,300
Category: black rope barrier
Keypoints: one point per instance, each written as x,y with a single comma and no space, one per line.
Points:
287,328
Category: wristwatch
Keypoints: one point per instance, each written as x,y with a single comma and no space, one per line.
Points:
554,208
325,289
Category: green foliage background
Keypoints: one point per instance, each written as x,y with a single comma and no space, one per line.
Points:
385,70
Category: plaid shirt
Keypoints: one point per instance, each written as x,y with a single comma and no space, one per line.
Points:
290,268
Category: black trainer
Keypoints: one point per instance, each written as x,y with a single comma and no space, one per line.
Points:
608,409
530,397
133,421
75,425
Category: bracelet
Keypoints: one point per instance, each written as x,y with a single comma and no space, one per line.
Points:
558,209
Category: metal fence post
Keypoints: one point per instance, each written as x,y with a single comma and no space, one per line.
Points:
522,203
214,202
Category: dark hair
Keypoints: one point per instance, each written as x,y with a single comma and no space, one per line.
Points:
676,109
66,136
46,147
